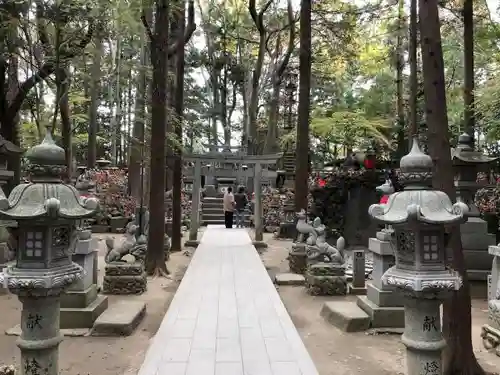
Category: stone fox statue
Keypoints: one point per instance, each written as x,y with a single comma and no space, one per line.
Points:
318,250
129,245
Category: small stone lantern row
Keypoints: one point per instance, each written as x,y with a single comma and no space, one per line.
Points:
419,215
47,212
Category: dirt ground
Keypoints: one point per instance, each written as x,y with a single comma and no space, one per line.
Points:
339,353
333,351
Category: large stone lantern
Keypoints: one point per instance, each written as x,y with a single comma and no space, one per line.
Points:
419,215
47,212
474,234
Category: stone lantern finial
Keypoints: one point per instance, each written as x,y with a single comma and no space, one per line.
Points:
46,160
416,168
465,142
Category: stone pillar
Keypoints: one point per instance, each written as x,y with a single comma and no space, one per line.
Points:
257,215
287,228
383,306
40,330
195,207
358,273
422,336
81,304
490,333
6,254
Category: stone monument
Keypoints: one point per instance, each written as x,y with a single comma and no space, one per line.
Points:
490,332
325,274
122,276
287,227
474,233
297,258
357,285
46,211
419,215
81,304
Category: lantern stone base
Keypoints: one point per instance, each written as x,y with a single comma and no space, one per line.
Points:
124,278
325,279
346,316
287,230
475,241
297,258
83,317
382,316
6,255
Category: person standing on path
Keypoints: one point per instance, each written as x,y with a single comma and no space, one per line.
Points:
228,202
241,201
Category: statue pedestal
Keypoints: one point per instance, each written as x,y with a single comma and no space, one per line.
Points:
384,307
80,303
475,242
326,279
124,278
297,258
490,333
6,254
287,230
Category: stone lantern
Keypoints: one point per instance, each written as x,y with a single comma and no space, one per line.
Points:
419,215
474,233
47,212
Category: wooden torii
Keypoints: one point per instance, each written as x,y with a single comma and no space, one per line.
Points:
255,165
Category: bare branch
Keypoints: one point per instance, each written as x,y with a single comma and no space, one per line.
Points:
291,42
46,70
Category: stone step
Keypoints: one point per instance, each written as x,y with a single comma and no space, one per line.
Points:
346,316
71,317
213,200
121,319
212,211
290,279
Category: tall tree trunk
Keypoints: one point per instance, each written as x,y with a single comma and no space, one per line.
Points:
179,109
253,109
214,82
95,84
63,79
413,125
116,103
271,144
137,142
399,82
302,150
468,15
155,261
223,100
457,310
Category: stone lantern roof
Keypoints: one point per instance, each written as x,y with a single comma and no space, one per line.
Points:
465,153
418,202
45,195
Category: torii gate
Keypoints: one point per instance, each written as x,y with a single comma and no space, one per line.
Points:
255,165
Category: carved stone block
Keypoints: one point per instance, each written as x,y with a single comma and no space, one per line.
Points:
297,258
124,278
325,279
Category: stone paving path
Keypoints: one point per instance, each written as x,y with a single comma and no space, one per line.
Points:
227,317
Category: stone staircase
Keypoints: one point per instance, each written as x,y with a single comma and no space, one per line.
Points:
212,212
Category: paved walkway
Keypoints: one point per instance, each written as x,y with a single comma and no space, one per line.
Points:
227,317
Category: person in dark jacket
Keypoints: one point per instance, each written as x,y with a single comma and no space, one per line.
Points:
241,201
